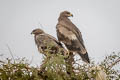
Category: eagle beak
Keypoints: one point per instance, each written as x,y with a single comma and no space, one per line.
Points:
31,33
71,15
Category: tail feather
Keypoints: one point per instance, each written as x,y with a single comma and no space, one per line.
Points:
85,57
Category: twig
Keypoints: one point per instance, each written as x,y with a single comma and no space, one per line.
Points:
118,60
41,25
31,60
1,61
10,52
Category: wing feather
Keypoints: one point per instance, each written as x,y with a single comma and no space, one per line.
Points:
69,39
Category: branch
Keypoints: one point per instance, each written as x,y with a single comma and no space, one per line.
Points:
1,61
118,60
10,52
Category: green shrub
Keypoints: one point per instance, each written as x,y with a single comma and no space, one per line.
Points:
54,67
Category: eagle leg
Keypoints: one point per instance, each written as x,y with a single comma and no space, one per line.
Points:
67,53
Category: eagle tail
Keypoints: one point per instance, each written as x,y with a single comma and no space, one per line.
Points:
85,57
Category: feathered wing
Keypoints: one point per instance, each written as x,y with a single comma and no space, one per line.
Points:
70,35
56,42
84,57
43,41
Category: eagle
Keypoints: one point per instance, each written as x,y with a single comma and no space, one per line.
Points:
71,36
47,43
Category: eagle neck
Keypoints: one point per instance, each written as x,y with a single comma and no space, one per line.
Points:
62,18
35,40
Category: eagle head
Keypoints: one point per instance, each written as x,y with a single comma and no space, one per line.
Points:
66,14
37,31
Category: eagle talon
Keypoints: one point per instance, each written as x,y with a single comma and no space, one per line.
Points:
67,53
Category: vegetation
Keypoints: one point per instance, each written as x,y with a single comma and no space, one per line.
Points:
59,67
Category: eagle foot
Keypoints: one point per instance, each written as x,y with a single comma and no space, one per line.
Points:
67,53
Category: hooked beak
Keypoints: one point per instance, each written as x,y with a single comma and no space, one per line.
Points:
71,15
31,33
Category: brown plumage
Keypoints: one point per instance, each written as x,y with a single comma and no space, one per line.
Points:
70,35
46,43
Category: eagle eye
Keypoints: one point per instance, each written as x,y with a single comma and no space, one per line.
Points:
34,30
68,13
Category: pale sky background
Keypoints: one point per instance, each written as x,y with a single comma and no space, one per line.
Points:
98,20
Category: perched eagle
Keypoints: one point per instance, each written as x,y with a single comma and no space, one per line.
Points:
46,43
70,35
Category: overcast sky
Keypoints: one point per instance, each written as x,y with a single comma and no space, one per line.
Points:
98,20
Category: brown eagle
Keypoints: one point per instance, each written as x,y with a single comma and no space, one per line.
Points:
46,43
70,35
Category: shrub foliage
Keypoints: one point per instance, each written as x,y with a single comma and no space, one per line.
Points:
59,67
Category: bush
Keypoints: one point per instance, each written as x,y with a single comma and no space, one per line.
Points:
58,67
